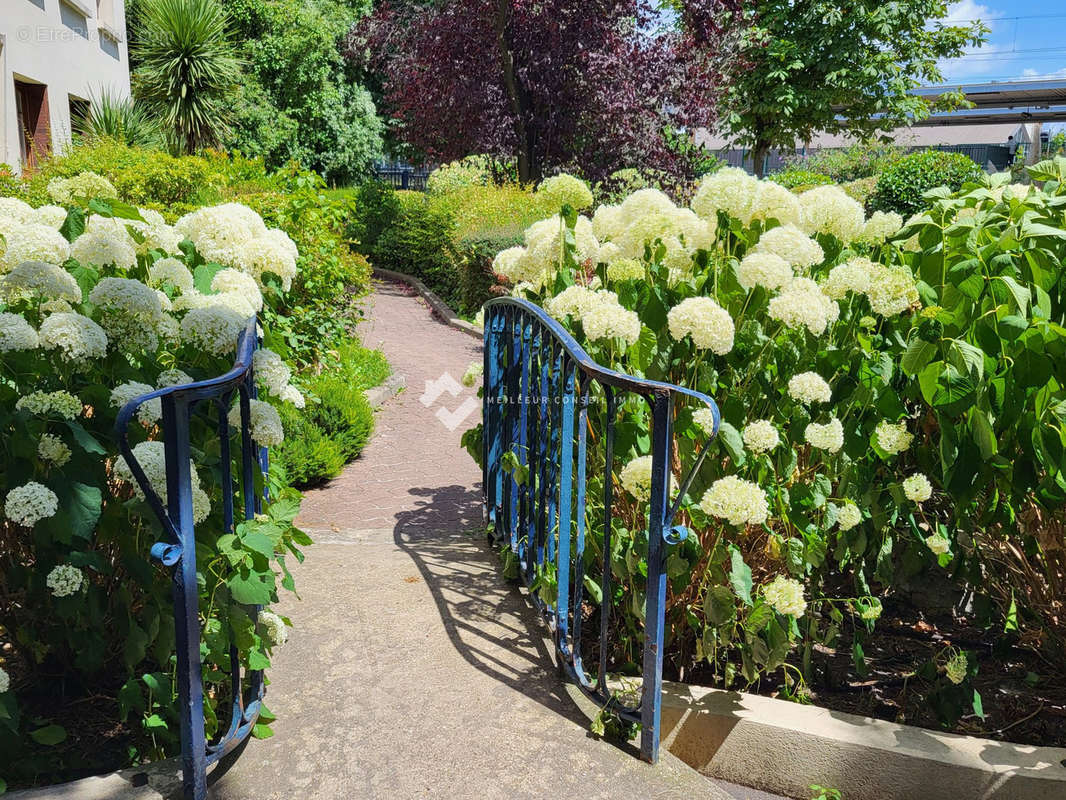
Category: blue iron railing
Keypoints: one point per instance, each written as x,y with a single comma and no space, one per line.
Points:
178,550
537,403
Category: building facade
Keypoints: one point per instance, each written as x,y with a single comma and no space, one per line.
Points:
55,55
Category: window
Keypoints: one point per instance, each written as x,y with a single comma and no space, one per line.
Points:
31,104
79,111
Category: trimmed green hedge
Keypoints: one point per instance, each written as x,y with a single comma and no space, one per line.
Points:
901,186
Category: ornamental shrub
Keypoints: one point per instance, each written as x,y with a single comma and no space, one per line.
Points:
477,281
844,164
797,178
887,398
101,302
901,186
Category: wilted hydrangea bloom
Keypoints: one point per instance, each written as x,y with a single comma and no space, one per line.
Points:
38,279
957,668
64,580
78,339
274,628
148,413
214,329
635,478
829,209
802,303
829,436
760,436
34,242
893,438
52,449
917,488
938,544
791,244
709,325
152,458
62,404
16,333
265,424
848,516
731,190
808,388
30,503
734,499
763,269
785,596
473,372
565,189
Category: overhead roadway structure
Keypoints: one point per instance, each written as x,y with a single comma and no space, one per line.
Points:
1007,101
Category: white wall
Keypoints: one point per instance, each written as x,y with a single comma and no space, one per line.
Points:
63,45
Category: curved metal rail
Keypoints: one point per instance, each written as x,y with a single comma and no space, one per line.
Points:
178,550
536,407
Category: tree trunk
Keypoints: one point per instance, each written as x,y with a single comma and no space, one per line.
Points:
758,155
528,170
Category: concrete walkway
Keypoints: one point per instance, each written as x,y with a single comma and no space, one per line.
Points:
414,671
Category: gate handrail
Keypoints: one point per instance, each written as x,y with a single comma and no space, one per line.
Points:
529,356
178,549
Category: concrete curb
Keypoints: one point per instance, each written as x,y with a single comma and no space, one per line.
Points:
158,781
439,307
387,390
783,747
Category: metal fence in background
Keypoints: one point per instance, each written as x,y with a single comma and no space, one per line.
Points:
402,175
544,398
180,404
994,157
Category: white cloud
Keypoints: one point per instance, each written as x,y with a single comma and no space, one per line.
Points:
1036,74
966,11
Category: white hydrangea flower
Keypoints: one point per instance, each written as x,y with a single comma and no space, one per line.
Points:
473,372
763,269
32,279
829,209
152,458
34,242
149,413
62,404
52,449
938,544
290,394
266,255
274,628
709,325
18,211
802,303
172,271
265,424
271,371
808,388
672,226
78,339
83,186
785,596
829,436
130,313
892,290
220,231
609,320
5,679
233,280
734,499
731,190
103,249
608,252
774,201
65,580
16,333
573,301
917,488
507,261
635,478
52,216
791,244
566,189
848,516
642,203
851,276
214,329
760,436
172,377
625,269
892,437
28,504
880,226
704,420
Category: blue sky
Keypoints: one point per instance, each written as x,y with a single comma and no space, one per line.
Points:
1027,40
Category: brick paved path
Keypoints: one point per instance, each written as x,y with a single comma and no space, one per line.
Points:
413,670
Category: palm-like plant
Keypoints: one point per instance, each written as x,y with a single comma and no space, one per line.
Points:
113,116
188,70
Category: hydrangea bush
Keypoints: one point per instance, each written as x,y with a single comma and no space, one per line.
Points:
99,303
870,378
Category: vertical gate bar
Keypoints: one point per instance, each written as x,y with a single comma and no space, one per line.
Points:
554,443
519,539
546,346
579,552
566,474
224,461
186,599
513,348
605,572
655,609
490,446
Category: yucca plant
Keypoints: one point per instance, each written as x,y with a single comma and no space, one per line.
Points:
188,70
112,116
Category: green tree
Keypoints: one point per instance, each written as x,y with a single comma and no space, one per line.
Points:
809,67
188,70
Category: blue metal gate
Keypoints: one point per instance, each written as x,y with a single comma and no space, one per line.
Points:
538,407
178,551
